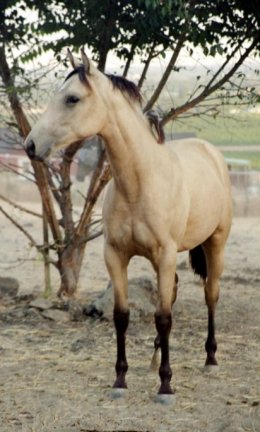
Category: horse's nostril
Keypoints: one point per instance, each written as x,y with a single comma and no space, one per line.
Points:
30,149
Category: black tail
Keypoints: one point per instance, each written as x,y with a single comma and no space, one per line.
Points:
198,262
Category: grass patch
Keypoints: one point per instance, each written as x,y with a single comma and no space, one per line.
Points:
253,157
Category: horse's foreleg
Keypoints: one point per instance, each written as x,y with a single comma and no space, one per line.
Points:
163,324
163,316
121,320
157,341
117,267
215,260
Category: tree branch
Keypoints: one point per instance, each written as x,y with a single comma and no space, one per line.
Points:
175,112
99,180
65,198
167,72
30,238
20,207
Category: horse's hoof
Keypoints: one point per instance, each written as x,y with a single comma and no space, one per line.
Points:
211,369
166,399
118,393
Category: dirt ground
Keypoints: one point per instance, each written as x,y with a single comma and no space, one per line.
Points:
57,376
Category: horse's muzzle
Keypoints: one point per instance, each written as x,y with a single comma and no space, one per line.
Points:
31,151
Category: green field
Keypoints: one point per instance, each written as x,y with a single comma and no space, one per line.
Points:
240,130
253,157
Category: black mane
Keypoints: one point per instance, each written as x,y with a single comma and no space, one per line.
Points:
125,86
118,82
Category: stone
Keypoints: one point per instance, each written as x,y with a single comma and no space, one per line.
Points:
8,287
56,315
142,300
41,303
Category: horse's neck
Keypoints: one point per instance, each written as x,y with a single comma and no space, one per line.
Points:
130,147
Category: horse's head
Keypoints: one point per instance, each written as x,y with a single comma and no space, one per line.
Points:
75,112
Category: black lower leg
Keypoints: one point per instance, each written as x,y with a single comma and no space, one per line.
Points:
163,325
211,344
121,320
157,341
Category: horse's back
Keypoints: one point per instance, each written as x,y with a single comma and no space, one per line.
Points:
197,155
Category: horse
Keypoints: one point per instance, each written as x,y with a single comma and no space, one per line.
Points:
159,202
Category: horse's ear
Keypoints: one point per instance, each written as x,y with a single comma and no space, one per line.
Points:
71,59
85,61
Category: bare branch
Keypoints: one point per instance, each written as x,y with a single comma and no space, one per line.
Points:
167,72
94,235
14,168
30,238
20,207
42,182
175,112
99,180
65,198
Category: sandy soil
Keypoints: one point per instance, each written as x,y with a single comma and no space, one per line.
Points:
57,376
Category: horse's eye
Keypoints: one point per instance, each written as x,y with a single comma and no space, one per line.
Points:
71,100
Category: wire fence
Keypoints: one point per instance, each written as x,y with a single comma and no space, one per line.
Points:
246,192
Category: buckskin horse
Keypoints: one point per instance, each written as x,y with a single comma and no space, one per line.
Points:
159,201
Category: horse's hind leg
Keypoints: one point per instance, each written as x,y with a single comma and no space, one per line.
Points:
117,268
214,251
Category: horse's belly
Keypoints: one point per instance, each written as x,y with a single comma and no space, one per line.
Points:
203,220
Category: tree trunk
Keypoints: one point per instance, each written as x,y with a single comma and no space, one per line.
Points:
106,36
69,265
129,59
72,252
146,67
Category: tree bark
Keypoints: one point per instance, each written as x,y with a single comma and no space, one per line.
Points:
69,265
